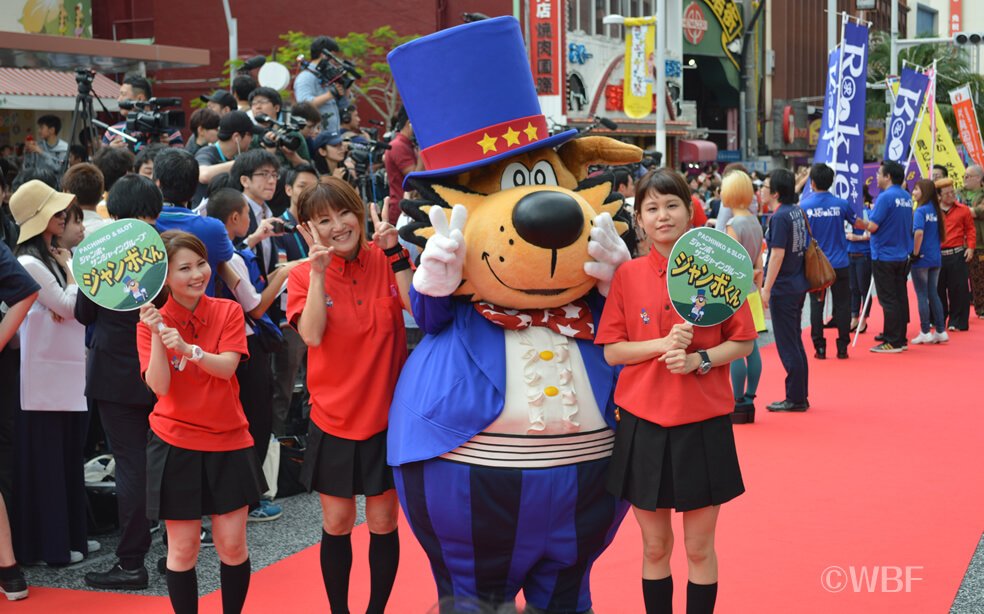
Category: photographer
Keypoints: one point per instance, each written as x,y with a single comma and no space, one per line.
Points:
136,88
308,87
266,101
312,119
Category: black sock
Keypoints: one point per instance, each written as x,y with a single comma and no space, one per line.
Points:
701,598
182,588
658,595
235,583
384,557
10,573
336,566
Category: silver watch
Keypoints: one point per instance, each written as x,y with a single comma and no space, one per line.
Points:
705,363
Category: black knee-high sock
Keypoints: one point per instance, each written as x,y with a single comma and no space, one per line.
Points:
384,557
336,566
658,595
701,598
235,584
182,588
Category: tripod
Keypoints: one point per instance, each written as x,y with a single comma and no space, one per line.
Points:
84,116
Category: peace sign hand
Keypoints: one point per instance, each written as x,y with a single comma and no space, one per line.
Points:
443,258
608,250
319,254
385,234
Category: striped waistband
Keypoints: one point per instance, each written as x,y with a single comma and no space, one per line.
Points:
949,251
533,451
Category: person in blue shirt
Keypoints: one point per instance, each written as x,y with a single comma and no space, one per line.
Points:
176,172
890,225
826,214
859,268
928,234
308,87
785,288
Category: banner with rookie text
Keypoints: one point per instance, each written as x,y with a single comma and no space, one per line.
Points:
847,140
908,105
970,132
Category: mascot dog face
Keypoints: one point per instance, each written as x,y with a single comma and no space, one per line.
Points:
529,221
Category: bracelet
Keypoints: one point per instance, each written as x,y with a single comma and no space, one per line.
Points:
401,264
396,249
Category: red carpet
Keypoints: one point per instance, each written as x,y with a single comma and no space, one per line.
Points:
880,474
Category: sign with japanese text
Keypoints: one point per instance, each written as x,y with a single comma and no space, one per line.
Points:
928,149
729,16
640,41
122,265
709,276
908,105
824,153
547,51
970,132
847,140
956,16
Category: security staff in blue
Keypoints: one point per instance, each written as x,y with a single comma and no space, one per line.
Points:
827,214
502,422
890,225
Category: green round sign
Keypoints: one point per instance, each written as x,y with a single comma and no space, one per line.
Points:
709,276
122,265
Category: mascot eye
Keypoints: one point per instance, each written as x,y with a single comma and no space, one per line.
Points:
543,174
515,175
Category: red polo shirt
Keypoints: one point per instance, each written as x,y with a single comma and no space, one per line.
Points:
352,375
638,309
959,228
200,411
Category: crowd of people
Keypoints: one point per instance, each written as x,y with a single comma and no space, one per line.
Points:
272,272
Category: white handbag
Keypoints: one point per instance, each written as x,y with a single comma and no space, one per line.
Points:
52,363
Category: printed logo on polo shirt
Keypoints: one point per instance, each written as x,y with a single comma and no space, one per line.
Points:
645,317
328,301
831,212
176,363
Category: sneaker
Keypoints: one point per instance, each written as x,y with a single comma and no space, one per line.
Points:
93,546
14,586
886,348
923,338
266,511
941,337
75,556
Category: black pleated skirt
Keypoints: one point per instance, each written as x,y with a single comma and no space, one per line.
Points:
345,467
188,484
685,467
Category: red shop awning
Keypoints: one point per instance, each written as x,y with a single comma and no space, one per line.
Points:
697,150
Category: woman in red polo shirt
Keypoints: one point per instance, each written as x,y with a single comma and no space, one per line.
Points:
674,446
346,303
200,456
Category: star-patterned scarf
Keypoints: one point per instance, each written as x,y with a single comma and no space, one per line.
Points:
572,320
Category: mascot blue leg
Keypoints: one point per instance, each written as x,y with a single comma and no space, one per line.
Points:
490,532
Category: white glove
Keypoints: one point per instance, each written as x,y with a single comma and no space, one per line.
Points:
608,250
443,258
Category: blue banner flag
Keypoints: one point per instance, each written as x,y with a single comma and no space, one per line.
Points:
825,152
848,137
905,113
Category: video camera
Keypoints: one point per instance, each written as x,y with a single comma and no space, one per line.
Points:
333,72
149,120
282,131
365,153
84,77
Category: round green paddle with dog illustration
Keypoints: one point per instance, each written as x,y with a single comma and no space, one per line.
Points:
709,275
122,265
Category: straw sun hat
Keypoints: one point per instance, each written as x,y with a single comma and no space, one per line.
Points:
34,204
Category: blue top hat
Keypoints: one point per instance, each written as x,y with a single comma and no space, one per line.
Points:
470,96
700,292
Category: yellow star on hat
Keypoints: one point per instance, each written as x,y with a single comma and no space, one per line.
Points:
488,143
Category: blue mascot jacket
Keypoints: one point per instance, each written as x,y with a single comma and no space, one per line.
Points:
453,385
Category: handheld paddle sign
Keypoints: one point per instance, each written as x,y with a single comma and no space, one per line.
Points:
121,266
709,277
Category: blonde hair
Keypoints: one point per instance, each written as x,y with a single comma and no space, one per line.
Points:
737,190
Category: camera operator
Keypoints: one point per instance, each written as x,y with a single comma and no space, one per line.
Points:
220,101
351,122
236,132
266,101
401,159
308,87
136,88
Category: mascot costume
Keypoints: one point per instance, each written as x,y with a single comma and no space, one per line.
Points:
502,422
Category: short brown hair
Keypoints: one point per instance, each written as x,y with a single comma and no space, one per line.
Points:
86,182
332,193
178,239
663,181
204,117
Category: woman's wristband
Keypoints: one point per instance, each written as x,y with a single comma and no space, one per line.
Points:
399,258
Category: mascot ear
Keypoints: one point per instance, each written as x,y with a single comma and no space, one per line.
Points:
579,153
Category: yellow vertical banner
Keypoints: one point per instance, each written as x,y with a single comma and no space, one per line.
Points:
640,41
946,151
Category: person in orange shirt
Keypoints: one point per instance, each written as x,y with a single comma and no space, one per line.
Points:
346,303
674,446
200,456
957,251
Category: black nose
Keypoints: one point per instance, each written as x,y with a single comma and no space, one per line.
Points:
548,219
